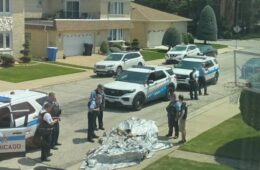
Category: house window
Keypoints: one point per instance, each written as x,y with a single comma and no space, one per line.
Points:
115,35
115,7
5,40
72,9
4,6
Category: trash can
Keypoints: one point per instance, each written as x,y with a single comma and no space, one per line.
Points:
52,52
88,49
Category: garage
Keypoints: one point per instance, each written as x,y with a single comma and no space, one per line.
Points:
73,44
155,38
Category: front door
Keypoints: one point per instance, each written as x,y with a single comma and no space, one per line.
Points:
72,9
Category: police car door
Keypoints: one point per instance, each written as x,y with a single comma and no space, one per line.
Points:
211,70
12,139
158,88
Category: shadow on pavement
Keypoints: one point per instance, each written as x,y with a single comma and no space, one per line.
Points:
79,140
46,168
28,162
240,153
81,131
5,168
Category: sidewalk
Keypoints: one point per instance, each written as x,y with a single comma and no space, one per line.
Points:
198,122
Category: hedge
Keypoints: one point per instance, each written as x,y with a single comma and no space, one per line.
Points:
7,60
250,107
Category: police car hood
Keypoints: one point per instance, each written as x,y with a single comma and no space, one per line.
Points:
176,52
107,63
181,71
120,85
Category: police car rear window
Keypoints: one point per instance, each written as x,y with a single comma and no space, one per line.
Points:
41,100
170,71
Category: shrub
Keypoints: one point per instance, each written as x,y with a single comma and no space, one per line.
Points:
26,59
7,60
104,47
250,108
114,44
135,44
227,34
114,49
25,52
190,38
185,39
171,37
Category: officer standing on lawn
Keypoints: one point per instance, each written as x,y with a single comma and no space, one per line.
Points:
193,85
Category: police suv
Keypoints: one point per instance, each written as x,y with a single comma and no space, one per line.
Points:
19,110
138,85
184,68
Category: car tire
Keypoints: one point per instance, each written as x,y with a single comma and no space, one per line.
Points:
140,64
215,79
138,102
119,70
170,91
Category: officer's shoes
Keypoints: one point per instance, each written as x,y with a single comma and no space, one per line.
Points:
168,135
54,148
50,154
101,128
91,140
45,160
206,94
95,136
58,144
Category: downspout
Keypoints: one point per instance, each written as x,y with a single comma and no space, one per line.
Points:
47,37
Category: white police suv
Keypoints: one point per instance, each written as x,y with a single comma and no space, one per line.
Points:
177,53
184,68
19,110
116,62
136,86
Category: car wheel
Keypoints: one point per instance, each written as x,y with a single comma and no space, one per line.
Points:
170,91
138,102
215,79
140,64
119,70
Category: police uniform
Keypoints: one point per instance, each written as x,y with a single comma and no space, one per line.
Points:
55,113
202,80
46,131
172,112
193,86
99,115
91,119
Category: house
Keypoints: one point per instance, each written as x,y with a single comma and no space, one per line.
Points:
11,27
69,24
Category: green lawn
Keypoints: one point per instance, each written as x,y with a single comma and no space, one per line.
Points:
233,139
32,71
167,163
216,46
152,54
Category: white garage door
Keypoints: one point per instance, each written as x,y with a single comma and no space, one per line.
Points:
155,38
73,44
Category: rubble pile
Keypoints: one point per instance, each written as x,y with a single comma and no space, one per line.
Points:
125,145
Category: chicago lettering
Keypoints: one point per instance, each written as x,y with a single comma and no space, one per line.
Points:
11,146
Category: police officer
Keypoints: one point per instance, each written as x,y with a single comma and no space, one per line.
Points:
45,127
182,118
202,79
193,85
55,113
172,114
99,91
93,108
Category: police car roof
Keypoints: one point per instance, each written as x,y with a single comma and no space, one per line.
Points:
18,95
147,68
197,58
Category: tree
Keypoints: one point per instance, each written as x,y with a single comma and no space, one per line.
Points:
207,28
171,37
25,52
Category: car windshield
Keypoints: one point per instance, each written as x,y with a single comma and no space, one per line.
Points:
133,77
204,48
253,61
188,65
114,57
179,48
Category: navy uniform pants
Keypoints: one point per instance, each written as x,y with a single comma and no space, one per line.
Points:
91,124
172,123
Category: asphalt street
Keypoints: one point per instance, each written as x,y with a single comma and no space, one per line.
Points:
73,98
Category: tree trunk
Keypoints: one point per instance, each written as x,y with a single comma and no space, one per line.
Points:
205,41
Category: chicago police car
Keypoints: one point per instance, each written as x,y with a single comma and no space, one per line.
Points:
19,112
138,85
184,68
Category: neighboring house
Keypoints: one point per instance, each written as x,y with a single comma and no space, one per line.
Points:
151,24
68,24
11,26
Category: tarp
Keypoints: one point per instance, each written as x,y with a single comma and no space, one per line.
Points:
128,144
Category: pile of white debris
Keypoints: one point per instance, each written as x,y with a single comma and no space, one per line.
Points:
126,145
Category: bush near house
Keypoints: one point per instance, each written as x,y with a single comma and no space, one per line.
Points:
250,108
187,38
25,52
171,37
135,44
6,60
104,47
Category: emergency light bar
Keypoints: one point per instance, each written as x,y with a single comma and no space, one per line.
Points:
4,99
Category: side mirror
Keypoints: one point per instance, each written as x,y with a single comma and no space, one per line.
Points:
125,59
